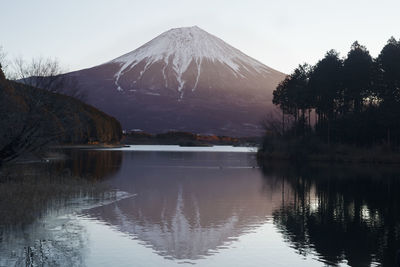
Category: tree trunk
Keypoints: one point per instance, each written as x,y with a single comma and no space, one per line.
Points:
295,122
329,132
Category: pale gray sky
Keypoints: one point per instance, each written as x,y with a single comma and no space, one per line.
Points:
281,34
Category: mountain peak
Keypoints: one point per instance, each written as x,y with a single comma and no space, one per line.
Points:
189,28
178,48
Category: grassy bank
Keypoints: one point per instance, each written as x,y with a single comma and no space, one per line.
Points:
312,150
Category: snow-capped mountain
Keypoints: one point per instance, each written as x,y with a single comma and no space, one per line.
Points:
186,80
180,55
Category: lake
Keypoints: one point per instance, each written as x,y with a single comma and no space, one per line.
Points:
205,206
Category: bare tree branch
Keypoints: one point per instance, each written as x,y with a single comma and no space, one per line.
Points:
3,61
273,124
46,74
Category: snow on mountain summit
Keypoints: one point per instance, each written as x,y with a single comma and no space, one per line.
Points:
179,47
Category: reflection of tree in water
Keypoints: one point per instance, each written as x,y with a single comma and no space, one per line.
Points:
93,164
341,213
32,199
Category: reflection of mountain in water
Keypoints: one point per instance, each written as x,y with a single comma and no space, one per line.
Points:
189,205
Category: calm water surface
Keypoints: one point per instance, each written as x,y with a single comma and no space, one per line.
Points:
149,206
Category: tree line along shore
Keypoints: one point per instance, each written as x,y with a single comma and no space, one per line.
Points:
341,109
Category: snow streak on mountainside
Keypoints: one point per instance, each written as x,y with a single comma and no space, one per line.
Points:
181,47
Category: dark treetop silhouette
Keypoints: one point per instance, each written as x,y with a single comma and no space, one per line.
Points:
355,100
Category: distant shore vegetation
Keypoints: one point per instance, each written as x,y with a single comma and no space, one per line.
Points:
138,137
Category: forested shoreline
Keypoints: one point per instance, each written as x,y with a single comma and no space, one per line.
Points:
351,102
33,118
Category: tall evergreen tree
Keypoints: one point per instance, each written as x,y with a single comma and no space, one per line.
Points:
388,63
292,95
326,84
357,78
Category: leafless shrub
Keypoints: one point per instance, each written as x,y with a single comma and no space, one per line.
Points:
275,123
45,73
4,63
